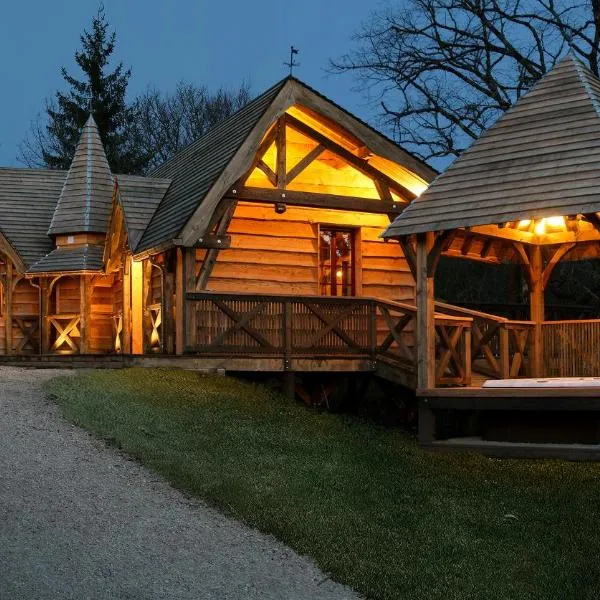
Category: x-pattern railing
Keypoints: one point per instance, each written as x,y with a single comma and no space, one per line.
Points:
66,330
293,326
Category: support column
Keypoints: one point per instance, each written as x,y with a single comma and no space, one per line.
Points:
127,306
8,298
44,308
425,317
167,303
137,313
189,308
179,302
536,308
85,303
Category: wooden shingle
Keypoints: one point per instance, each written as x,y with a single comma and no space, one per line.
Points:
540,159
86,197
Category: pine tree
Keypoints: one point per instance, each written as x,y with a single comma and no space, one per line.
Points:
103,94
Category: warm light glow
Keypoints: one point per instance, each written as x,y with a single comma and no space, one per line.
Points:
338,273
548,222
556,221
540,227
524,223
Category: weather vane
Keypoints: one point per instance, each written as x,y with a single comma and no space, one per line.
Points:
292,62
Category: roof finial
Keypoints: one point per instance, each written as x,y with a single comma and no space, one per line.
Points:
292,62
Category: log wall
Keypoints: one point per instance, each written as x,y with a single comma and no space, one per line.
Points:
273,253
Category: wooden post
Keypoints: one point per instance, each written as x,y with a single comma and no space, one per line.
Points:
536,307
427,422
146,301
504,353
167,317
137,295
189,308
85,304
8,307
425,318
44,311
179,303
127,306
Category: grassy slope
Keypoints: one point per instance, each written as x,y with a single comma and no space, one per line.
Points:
374,510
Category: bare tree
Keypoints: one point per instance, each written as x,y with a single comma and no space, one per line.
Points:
444,70
167,122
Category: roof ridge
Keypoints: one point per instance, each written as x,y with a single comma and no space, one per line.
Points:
584,73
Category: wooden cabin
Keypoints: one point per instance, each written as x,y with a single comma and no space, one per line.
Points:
526,192
257,247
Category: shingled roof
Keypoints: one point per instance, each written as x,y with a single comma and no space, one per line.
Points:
195,169
28,198
206,166
541,159
87,258
86,197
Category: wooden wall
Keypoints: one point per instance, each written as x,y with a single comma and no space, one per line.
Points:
101,314
273,253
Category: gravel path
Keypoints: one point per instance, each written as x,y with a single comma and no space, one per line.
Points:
78,520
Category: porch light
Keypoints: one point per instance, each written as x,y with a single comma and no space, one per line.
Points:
338,273
553,222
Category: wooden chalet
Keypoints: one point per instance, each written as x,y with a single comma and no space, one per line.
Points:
528,192
256,248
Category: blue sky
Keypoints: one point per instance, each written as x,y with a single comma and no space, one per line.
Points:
206,42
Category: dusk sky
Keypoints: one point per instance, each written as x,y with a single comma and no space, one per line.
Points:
212,43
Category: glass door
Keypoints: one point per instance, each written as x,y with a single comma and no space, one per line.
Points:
336,262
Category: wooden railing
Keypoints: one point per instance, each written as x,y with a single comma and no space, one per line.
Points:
500,347
571,348
65,328
322,327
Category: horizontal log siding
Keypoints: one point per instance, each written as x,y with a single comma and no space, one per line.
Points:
278,254
25,303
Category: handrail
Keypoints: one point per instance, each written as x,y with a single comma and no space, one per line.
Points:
291,326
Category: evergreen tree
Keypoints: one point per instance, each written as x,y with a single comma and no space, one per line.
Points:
100,92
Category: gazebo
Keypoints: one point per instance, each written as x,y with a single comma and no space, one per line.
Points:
528,191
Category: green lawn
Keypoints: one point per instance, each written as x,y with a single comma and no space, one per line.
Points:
365,502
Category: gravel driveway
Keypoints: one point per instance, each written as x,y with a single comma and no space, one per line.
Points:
77,520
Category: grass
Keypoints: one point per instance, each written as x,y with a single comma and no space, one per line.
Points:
372,509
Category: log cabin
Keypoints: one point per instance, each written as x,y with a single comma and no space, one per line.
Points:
256,248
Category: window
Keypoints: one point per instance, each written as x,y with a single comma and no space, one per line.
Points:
336,262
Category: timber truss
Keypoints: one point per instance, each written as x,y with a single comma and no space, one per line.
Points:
280,178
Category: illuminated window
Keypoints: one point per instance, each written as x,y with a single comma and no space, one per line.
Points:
336,262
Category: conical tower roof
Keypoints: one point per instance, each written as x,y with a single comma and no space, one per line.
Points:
541,159
85,201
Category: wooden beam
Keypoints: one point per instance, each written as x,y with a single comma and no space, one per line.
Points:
201,281
524,259
213,241
358,163
126,273
554,260
300,166
266,169
486,248
425,316
179,302
280,143
137,295
189,312
536,308
467,244
264,146
85,302
433,257
409,255
308,199
8,306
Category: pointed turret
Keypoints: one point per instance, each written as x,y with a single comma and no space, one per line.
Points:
86,198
